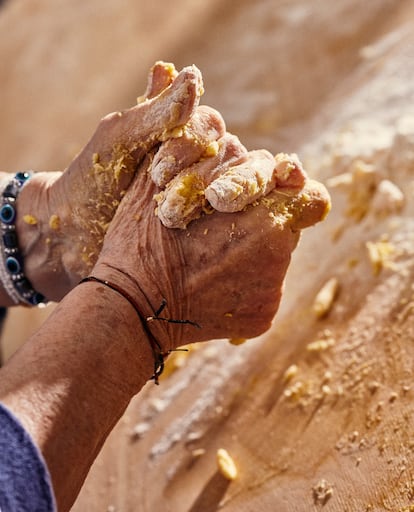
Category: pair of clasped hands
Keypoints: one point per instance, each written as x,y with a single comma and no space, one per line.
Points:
168,204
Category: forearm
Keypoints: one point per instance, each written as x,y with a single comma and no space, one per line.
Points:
71,382
53,248
39,242
40,230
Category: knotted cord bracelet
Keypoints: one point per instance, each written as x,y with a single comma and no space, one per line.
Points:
15,283
157,352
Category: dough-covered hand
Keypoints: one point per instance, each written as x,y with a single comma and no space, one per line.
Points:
63,217
226,270
227,180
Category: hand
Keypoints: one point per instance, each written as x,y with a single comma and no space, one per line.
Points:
225,271
62,218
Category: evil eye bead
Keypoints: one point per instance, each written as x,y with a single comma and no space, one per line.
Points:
21,177
13,265
7,213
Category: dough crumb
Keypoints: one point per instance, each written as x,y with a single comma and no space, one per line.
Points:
323,342
380,255
198,452
322,492
388,198
226,464
237,341
212,149
325,297
139,430
291,372
54,221
360,183
30,219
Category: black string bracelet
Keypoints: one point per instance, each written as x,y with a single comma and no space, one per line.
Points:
159,355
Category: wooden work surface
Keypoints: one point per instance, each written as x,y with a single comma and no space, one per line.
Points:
332,81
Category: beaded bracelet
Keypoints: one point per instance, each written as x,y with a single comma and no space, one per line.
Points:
15,283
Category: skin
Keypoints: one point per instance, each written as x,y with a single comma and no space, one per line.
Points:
78,380
72,380
184,197
72,210
220,248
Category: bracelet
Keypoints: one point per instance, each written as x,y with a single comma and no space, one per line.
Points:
158,354
15,283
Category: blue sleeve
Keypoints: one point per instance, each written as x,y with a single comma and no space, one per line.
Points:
24,479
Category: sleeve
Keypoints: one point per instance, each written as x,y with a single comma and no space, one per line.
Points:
25,484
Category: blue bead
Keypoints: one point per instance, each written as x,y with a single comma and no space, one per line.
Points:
22,176
13,265
7,213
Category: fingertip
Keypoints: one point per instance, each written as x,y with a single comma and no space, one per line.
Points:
161,76
289,171
155,119
182,200
195,72
209,120
184,93
314,205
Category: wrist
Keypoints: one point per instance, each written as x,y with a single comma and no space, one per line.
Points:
157,332
39,237
117,355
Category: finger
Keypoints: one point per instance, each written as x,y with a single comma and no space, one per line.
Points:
289,171
139,128
310,206
243,184
253,179
295,208
161,76
195,140
183,199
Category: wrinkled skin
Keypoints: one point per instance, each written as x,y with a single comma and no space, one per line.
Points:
72,210
225,271
93,185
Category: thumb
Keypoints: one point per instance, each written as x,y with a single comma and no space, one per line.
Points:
139,128
298,209
310,206
161,75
